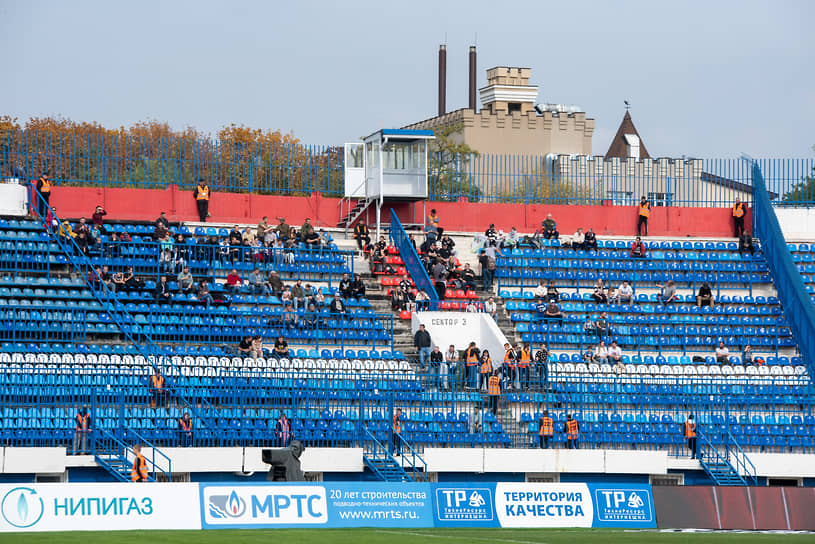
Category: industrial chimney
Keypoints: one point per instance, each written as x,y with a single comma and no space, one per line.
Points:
442,79
472,77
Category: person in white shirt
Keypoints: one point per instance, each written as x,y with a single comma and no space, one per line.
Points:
540,290
625,294
491,308
615,354
451,359
601,353
722,354
578,239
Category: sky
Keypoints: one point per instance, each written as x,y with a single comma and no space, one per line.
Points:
704,79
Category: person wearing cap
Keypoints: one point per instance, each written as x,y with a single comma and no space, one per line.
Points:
337,306
201,195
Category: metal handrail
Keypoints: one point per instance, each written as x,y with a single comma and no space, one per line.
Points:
748,469
411,259
153,451
105,295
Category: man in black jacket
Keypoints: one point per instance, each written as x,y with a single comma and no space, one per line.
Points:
162,293
421,339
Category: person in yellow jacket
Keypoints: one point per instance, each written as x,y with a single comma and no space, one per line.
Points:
738,212
201,196
139,471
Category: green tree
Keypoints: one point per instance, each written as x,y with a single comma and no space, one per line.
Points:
447,175
804,191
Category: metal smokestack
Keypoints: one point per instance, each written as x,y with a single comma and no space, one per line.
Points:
442,79
472,77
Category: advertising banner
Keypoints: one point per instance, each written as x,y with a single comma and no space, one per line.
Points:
316,505
98,507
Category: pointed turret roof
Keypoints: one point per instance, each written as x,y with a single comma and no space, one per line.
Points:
619,147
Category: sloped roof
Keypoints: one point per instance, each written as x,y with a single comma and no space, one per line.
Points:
618,147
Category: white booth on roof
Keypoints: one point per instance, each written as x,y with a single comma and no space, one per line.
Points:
390,163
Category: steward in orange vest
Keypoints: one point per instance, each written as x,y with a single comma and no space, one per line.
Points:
201,195
494,392
572,432
738,217
396,441
44,188
690,434
139,471
546,429
471,356
486,369
643,213
157,388
185,430
83,426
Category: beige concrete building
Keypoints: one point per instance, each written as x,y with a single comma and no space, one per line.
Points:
509,123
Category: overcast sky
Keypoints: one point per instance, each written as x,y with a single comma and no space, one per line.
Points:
705,79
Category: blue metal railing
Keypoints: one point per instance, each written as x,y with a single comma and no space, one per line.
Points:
798,307
413,264
296,169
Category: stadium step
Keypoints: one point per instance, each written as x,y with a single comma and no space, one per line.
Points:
387,469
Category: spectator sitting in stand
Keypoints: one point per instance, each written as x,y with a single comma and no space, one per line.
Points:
491,308
599,294
298,295
705,296
290,317
468,277
615,354
257,348
590,240
281,347
550,228
275,283
362,235
118,282
397,299
589,327
601,353
131,281
337,306
285,296
185,281
345,286
553,313
601,327
722,354
98,219
204,294
245,346
638,249
357,287
624,294
422,300
746,244
471,307
162,294
540,290
668,293
283,230
491,234
162,226
578,240
257,283
747,355
233,282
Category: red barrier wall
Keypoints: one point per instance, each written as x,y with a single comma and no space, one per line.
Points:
751,508
145,204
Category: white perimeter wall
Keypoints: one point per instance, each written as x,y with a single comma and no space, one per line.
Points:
797,223
462,460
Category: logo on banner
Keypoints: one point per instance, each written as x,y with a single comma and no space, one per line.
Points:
264,505
464,504
22,507
623,505
226,506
